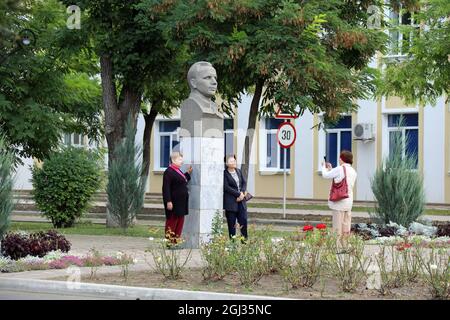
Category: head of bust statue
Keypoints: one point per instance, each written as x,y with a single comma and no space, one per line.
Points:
202,79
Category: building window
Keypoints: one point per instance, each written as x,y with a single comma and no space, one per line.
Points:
409,132
274,154
168,139
228,127
74,139
401,41
338,138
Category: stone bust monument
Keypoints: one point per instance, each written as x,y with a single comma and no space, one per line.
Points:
202,144
202,80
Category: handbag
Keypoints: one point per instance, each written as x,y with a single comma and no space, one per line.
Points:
339,190
248,196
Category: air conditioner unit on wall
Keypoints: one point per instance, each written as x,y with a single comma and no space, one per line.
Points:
364,132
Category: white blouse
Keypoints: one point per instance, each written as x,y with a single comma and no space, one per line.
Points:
337,174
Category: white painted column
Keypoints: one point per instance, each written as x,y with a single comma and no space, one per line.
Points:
304,157
433,151
366,153
22,175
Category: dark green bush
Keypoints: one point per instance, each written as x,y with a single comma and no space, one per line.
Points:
398,186
65,184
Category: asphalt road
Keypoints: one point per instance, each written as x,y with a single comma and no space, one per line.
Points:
26,295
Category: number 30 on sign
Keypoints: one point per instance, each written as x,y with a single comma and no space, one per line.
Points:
286,135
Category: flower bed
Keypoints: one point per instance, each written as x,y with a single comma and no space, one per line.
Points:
422,234
418,240
60,260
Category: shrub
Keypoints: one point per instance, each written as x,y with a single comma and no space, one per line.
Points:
65,184
18,245
126,186
169,263
276,254
6,186
397,186
247,261
306,261
393,269
216,257
443,230
93,260
436,272
15,245
350,268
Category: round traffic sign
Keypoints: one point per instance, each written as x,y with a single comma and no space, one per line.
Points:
286,134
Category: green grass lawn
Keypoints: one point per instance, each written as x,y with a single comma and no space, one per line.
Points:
325,207
92,229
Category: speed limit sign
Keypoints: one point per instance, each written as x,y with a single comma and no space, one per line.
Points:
286,135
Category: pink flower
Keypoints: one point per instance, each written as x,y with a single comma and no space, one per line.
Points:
110,261
58,264
72,260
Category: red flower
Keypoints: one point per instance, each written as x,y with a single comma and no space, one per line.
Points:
321,226
403,246
308,228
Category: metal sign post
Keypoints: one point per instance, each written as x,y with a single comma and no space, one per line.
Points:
286,136
284,184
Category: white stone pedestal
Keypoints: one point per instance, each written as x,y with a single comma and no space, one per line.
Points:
206,155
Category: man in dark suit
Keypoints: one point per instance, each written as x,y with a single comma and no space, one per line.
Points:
175,196
234,191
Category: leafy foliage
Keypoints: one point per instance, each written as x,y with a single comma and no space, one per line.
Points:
311,55
423,74
125,187
64,185
44,90
19,245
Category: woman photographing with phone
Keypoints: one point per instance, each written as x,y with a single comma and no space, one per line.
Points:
341,192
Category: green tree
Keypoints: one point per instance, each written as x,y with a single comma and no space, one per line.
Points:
6,186
423,73
139,71
125,187
43,91
295,54
65,184
397,185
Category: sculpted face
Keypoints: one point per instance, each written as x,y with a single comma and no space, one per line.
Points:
205,81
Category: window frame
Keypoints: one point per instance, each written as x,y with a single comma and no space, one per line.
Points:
403,131
82,142
400,36
338,142
157,142
263,169
322,139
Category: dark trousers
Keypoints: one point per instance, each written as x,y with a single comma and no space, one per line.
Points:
241,217
174,227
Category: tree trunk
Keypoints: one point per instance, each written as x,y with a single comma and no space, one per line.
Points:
149,121
253,115
116,111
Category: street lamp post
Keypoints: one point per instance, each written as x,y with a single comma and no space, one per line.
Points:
24,39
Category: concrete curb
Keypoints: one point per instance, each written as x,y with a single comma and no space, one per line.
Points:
118,292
